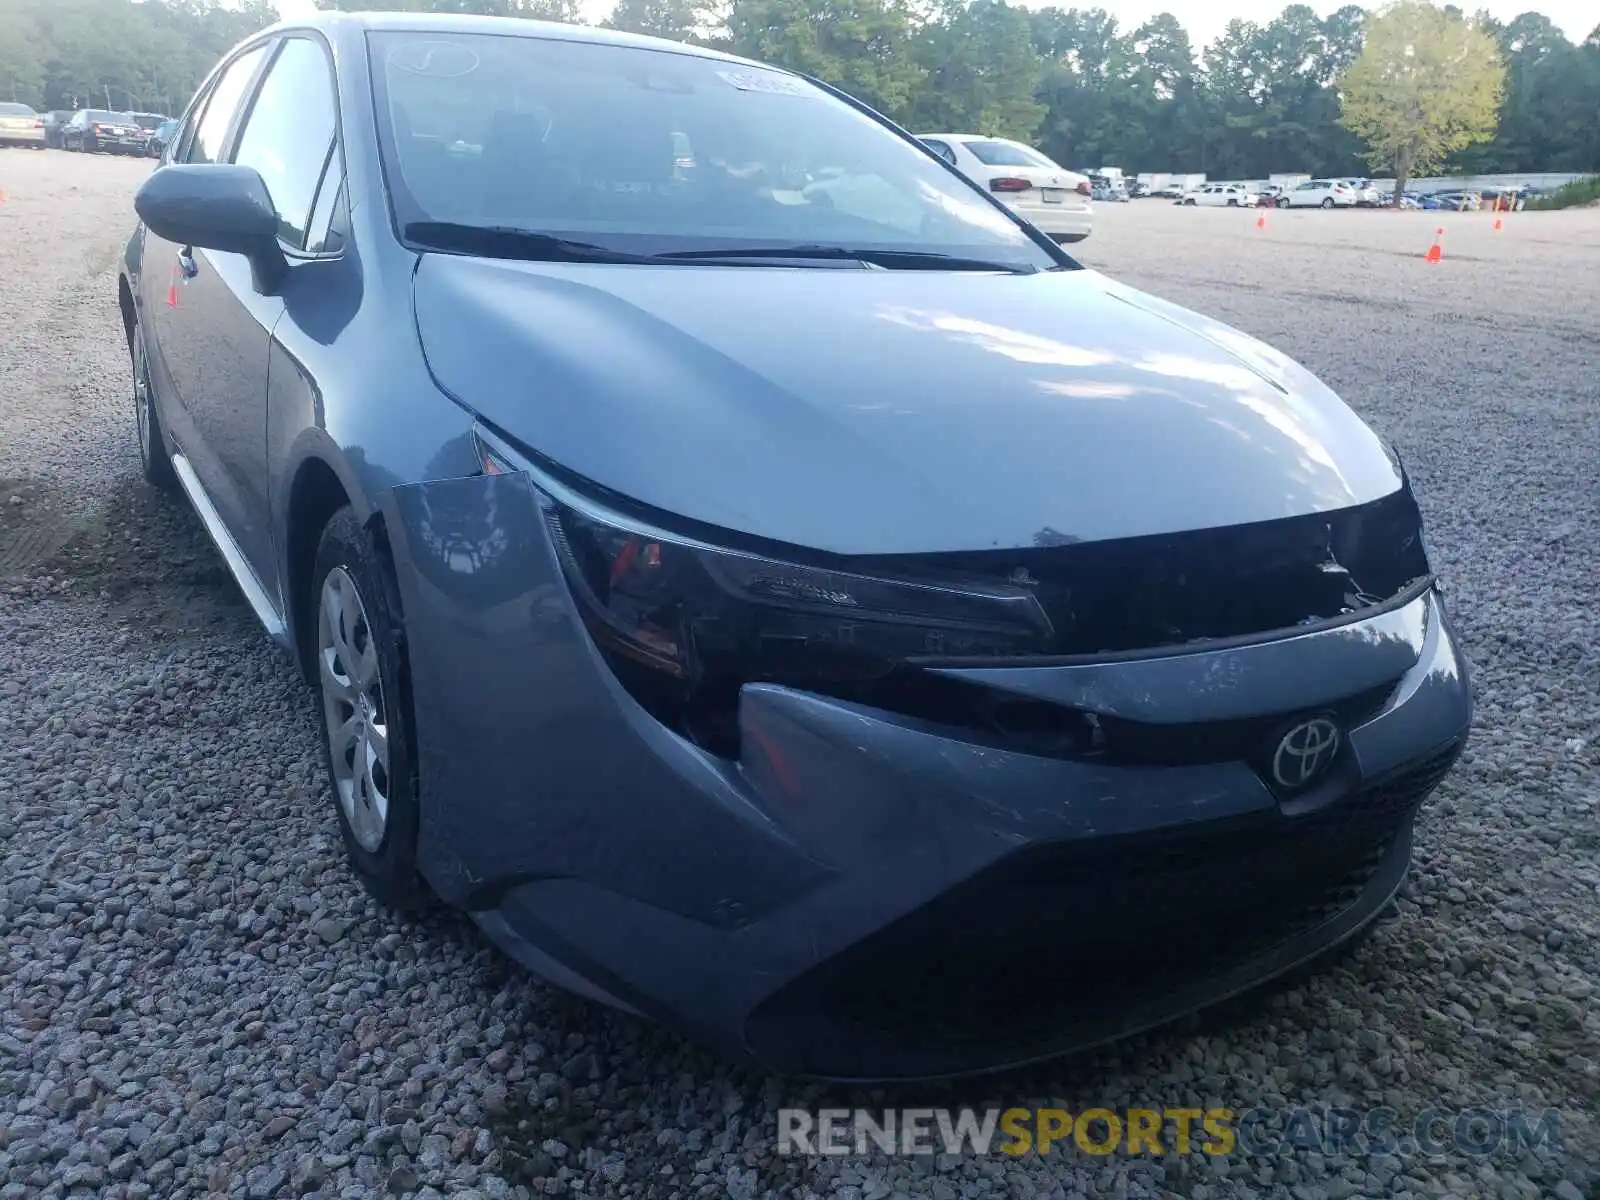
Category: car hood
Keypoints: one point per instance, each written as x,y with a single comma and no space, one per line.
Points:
882,412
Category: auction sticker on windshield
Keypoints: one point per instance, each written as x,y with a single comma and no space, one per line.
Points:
766,81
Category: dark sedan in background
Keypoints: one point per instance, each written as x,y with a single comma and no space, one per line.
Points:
160,138
826,618
101,131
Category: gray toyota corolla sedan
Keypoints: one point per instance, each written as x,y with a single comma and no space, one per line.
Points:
769,586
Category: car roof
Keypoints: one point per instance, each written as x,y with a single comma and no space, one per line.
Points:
328,22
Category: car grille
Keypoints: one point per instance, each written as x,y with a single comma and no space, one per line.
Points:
1038,727
1173,590
1071,936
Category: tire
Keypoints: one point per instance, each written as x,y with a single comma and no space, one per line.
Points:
154,459
366,728
1327,202
1233,204
1283,202
1062,239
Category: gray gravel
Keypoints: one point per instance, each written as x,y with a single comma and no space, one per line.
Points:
196,999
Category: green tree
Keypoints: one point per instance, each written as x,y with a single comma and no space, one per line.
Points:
1550,115
981,72
676,20
1087,87
1426,85
860,46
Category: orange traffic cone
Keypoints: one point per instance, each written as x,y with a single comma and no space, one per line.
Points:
172,290
1261,221
2,195
1499,224
1435,251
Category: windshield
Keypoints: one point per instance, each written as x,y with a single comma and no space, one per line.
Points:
652,152
16,110
995,153
100,114
149,120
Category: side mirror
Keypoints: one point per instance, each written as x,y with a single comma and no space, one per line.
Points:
216,206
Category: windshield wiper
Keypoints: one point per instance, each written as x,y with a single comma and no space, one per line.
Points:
506,241
897,260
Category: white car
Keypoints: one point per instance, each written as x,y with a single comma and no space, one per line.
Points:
1056,200
1320,193
1221,195
1367,196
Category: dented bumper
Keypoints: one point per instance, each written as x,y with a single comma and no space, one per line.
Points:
845,898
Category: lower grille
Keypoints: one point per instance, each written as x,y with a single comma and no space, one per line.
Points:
1404,791
1071,936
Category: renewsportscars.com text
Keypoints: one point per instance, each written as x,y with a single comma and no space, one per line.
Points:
1471,1132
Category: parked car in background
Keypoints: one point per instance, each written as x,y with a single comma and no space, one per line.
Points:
1319,193
55,123
1505,199
1456,201
21,126
801,625
149,122
1109,191
1221,195
99,130
160,137
1366,195
1053,198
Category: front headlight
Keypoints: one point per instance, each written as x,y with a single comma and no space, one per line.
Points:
691,609
685,623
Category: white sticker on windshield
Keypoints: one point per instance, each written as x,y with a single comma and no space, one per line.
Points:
766,81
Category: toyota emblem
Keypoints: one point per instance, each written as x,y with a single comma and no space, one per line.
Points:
1305,752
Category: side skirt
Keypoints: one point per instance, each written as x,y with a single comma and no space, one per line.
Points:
256,595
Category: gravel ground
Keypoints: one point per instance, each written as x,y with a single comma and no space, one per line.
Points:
196,999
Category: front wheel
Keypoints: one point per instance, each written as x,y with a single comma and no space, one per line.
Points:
1327,202
364,686
153,457
1233,204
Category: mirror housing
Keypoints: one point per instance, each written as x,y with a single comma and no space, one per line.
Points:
216,206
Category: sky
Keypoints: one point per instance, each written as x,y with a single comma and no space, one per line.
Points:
1205,19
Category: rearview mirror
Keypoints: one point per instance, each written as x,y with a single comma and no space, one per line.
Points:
216,206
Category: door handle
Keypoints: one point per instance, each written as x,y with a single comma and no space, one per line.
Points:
187,264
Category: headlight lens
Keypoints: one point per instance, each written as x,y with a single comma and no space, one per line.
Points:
696,612
684,624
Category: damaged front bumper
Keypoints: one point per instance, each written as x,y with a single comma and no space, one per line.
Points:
865,894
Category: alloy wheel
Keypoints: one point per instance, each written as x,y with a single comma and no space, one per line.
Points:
354,708
141,398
